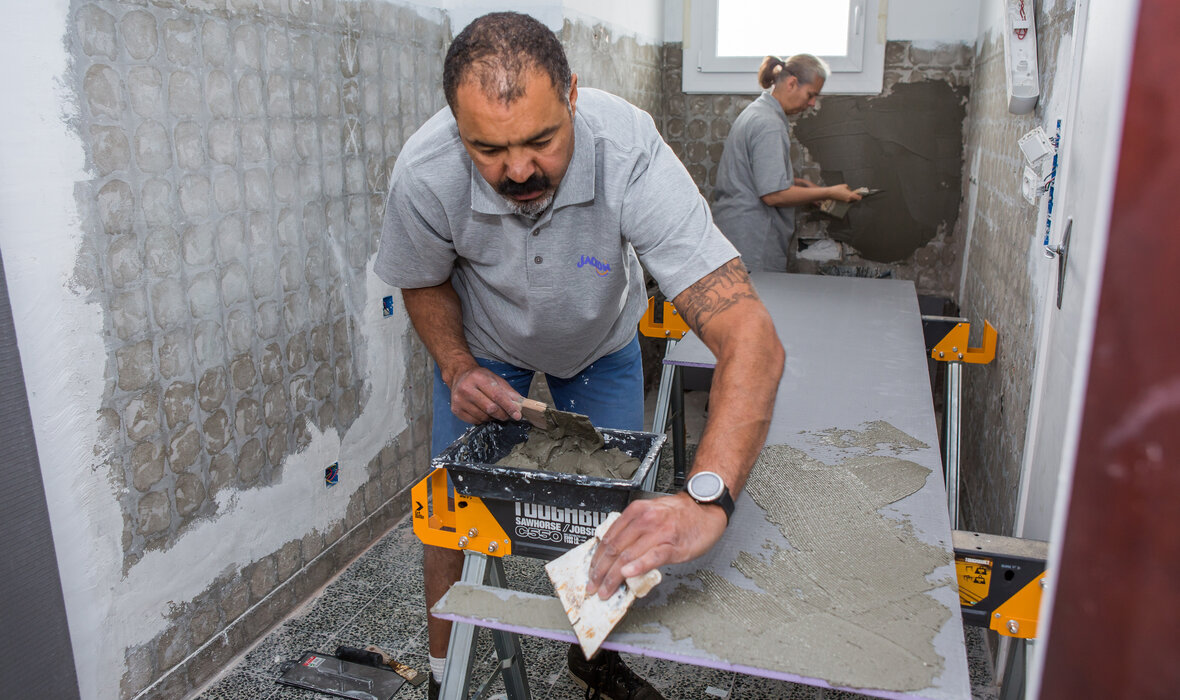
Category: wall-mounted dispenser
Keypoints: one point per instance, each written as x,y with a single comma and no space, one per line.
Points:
1020,56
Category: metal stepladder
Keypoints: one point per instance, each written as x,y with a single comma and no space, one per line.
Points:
444,518
481,568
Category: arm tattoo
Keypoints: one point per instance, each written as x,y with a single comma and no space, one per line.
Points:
715,292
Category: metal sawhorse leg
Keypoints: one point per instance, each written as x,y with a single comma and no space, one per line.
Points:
947,341
669,396
479,569
663,321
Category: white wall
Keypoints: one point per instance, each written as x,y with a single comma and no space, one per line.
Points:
934,21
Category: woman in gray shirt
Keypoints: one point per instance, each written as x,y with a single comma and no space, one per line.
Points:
756,193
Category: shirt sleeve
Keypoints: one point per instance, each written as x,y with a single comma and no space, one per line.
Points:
417,248
770,158
668,222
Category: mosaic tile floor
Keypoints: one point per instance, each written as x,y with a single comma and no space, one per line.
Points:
378,600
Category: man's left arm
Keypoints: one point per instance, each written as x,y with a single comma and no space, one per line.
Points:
725,311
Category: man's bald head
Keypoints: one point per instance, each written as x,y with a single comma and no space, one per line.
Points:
497,50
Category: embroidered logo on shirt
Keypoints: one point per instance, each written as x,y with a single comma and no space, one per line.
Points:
600,268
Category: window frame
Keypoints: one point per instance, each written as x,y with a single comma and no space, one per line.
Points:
705,72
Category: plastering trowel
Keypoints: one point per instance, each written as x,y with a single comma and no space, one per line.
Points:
547,418
592,617
839,209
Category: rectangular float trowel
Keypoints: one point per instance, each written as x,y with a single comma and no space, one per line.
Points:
592,617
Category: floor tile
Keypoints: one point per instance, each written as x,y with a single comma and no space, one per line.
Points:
285,644
328,613
399,544
239,685
392,625
368,575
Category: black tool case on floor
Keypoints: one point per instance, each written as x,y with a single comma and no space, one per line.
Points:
545,513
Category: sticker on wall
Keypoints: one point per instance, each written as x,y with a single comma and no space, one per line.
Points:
332,474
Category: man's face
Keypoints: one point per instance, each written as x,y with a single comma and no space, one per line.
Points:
798,97
522,149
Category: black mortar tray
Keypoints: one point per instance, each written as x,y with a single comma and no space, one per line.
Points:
330,675
471,463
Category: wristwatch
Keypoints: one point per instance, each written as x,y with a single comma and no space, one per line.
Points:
709,489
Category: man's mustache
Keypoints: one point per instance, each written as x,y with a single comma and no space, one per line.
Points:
536,183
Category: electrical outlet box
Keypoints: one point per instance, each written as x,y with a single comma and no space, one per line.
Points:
1030,185
1035,145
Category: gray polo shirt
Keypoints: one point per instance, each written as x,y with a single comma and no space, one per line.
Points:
557,292
756,161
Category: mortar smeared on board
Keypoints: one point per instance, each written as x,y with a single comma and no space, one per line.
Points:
566,442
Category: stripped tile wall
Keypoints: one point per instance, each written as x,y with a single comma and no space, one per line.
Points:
999,284
238,155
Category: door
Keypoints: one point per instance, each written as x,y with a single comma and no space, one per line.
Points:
1087,162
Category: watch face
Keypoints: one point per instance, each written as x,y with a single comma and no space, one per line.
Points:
705,486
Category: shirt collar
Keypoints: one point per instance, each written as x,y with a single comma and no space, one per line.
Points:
774,105
576,187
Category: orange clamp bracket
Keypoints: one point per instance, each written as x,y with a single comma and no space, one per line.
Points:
444,518
672,326
1017,616
953,347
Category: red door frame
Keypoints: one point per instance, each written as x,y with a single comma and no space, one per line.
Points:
1115,628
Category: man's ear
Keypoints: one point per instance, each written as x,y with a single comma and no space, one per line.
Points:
573,94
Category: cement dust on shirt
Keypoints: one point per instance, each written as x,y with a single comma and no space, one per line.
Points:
571,445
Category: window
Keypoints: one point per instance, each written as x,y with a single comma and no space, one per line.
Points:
727,40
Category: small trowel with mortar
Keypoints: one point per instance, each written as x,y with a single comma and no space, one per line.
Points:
592,617
838,209
549,419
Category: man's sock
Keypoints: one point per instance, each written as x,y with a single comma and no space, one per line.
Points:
436,667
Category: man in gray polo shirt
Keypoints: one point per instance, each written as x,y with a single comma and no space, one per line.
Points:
515,225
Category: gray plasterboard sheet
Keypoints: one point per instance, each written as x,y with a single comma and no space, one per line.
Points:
855,358
855,354
822,587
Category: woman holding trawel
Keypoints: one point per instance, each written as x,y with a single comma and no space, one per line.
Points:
756,193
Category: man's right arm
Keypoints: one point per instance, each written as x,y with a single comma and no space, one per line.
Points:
477,394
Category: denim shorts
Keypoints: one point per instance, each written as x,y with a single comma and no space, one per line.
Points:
609,391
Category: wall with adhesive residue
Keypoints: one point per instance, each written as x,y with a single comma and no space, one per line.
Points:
192,194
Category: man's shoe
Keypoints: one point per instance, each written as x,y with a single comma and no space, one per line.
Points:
607,677
433,688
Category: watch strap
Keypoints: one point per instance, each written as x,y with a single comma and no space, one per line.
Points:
726,503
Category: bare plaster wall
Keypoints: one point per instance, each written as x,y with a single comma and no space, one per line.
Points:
1004,276
909,233
192,205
